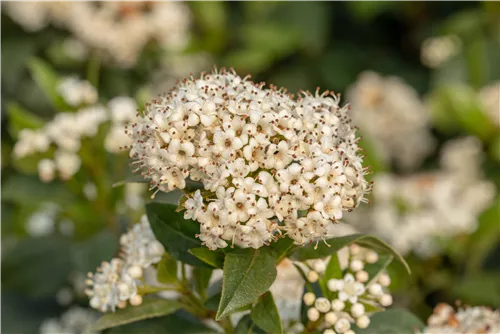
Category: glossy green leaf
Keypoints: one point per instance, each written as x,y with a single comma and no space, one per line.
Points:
282,247
335,244
150,308
213,258
20,118
375,269
48,80
177,234
333,269
248,273
393,321
265,314
166,270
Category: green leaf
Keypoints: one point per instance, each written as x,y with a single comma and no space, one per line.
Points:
247,326
201,278
248,273
479,290
282,247
166,270
27,190
175,233
375,269
48,80
393,321
335,244
213,258
265,314
333,269
150,308
20,118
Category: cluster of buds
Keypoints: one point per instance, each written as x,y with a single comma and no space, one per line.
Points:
270,165
471,320
349,298
117,281
67,130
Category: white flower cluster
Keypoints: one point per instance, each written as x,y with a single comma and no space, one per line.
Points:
67,130
268,163
76,320
436,51
490,99
470,320
351,297
121,29
412,212
392,117
116,282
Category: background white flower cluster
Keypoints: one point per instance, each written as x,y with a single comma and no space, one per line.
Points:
473,320
121,29
269,164
67,130
117,281
414,212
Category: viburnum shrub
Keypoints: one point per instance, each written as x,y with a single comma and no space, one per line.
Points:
233,163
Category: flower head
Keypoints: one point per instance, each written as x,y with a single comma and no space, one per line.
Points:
264,158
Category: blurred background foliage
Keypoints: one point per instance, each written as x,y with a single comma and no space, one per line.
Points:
298,45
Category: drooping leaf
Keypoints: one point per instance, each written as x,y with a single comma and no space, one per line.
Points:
334,244
48,80
177,234
213,258
248,273
265,314
166,270
393,321
150,308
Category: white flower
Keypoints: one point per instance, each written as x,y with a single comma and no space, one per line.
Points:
194,206
363,321
76,92
261,147
67,164
391,115
322,304
437,50
357,310
74,320
110,286
351,289
313,314
46,170
140,247
309,298
342,325
479,319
